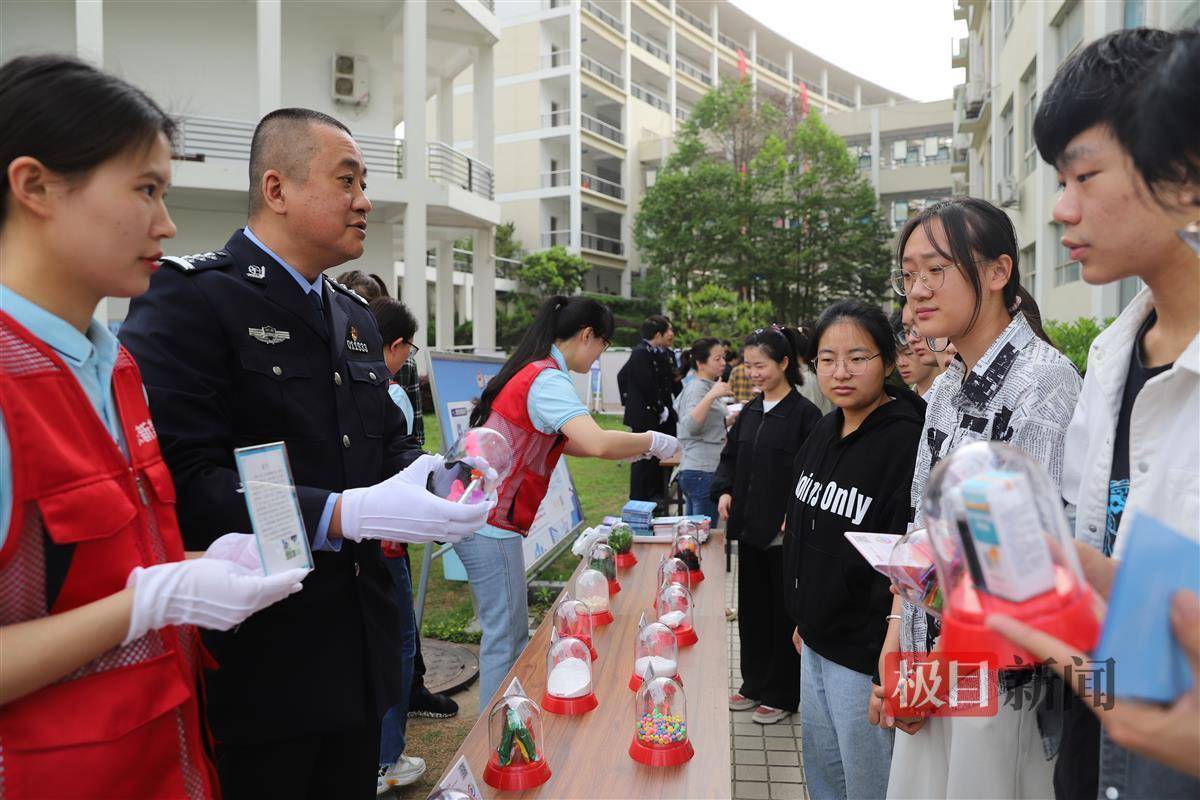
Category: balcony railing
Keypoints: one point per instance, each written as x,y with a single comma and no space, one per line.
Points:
556,178
812,86
556,238
731,43
458,169
773,67
690,69
841,98
650,46
556,119
603,244
602,72
605,17
601,128
602,185
556,58
693,20
648,96
463,260
682,113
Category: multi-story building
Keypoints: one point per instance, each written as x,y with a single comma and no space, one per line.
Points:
1011,51
219,65
589,94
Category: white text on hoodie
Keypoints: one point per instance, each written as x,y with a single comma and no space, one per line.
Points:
832,498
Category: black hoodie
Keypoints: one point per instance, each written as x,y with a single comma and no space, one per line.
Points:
857,483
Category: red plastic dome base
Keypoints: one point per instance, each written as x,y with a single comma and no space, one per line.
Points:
685,637
635,681
661,755
515,778
695,576
570,706
626,560
603,618
613,587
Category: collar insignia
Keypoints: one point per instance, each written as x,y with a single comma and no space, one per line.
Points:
268,335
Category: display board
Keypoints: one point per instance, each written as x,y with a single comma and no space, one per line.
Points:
456,381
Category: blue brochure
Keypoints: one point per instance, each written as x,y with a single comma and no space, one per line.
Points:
1148,663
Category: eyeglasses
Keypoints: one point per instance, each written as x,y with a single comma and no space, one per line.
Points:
773,328
931,278
416,348
855,365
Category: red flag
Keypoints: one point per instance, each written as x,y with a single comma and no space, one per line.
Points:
741,64
803,100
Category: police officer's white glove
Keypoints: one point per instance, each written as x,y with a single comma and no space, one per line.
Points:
240,548
401,510
662,445
210,592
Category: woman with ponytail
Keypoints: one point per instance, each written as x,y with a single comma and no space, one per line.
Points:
958,267
533,403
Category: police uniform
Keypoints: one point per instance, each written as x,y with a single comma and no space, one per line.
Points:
233,352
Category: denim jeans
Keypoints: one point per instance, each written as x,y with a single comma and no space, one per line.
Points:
391,734
496,571
694,484
844,755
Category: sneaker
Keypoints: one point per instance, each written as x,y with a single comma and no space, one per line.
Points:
406,770
435,706
739,703
765,715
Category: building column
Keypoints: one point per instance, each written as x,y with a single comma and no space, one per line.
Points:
484,324
752,57
714,20
875,154
791,74
575,201
444,293
825,83
415,169
857,96
484,108
269,34
89,47
672,81
714,60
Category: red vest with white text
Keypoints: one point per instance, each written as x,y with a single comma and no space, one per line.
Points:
126,724
535,454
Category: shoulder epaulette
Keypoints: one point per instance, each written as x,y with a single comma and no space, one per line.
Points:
346,290
197,261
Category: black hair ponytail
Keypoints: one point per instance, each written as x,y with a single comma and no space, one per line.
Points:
779,343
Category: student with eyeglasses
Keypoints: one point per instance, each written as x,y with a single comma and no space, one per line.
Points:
959,270
916,364
853,473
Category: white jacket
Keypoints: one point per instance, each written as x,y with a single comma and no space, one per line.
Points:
1164,436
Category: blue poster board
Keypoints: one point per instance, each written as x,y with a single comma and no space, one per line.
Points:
456,381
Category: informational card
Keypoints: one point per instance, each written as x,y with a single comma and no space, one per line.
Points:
876,548
274,509
462,778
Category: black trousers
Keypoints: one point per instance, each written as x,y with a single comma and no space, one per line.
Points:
315,767
769,661
418,681
645,477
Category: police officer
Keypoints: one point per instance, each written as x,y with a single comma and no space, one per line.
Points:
251,344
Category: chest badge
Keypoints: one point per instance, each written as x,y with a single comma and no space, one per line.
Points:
353,343
268,335
256,271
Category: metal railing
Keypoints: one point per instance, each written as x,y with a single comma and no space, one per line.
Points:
605,17
687,68
682,113
508,267
556,119
603,244
813,86
601,128
458,169
732,44
556,178
602,72
602,185
555,238
205,138
841,98
693,20
771,66
556,58
650,46
464,260
648,96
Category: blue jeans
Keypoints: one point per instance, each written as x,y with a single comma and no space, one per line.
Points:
694,484
496,571
391,734
844,755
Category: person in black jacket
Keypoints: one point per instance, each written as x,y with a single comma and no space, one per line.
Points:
751,487
852,474
644,383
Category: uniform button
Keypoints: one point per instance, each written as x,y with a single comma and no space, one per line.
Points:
1092,528
1111,793
371,375
277,370
357,569
345,441
337,378
1143,467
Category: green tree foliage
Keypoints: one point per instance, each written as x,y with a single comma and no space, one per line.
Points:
714,311
1074,339
541,275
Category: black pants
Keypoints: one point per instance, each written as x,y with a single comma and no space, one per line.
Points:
317,766
770,663
418,681
645,478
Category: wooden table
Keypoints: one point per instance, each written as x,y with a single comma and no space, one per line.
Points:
589,754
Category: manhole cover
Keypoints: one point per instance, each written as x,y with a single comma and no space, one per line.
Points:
448,667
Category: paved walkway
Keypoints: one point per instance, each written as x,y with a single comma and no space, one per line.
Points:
767,759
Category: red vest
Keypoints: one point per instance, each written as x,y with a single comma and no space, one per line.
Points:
535,454
126,724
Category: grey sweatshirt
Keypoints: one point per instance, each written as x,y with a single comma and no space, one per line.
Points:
700,444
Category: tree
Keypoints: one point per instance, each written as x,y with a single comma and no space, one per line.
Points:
714,311
541,275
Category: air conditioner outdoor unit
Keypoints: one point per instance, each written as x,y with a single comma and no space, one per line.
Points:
350,80
1009,192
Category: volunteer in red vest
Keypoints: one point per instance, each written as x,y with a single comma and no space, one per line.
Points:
533,403
98,649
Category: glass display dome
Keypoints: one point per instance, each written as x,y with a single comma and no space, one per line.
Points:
475,467
450,794
569,678
1002,546
603,559
913,571
592,588
571,618
660,732
655,649
685,546
620,538
674,607
675,570
515,740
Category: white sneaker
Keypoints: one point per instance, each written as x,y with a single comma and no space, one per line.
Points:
406,770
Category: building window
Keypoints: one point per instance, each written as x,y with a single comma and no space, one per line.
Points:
1006,15
1135,16
1127,289
1028,112
1065,271
651,176
899,213
1008,144
1069,31
1028,268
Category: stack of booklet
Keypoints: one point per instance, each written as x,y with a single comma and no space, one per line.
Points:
639,515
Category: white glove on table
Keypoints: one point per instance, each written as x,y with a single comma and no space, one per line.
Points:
401,510
210,592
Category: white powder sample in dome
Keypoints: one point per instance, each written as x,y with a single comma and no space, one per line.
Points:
672,618
597,603
569,678
663,667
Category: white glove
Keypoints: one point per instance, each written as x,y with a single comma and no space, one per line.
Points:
587,537
401,510
240,548
662,445
662,415
210,592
